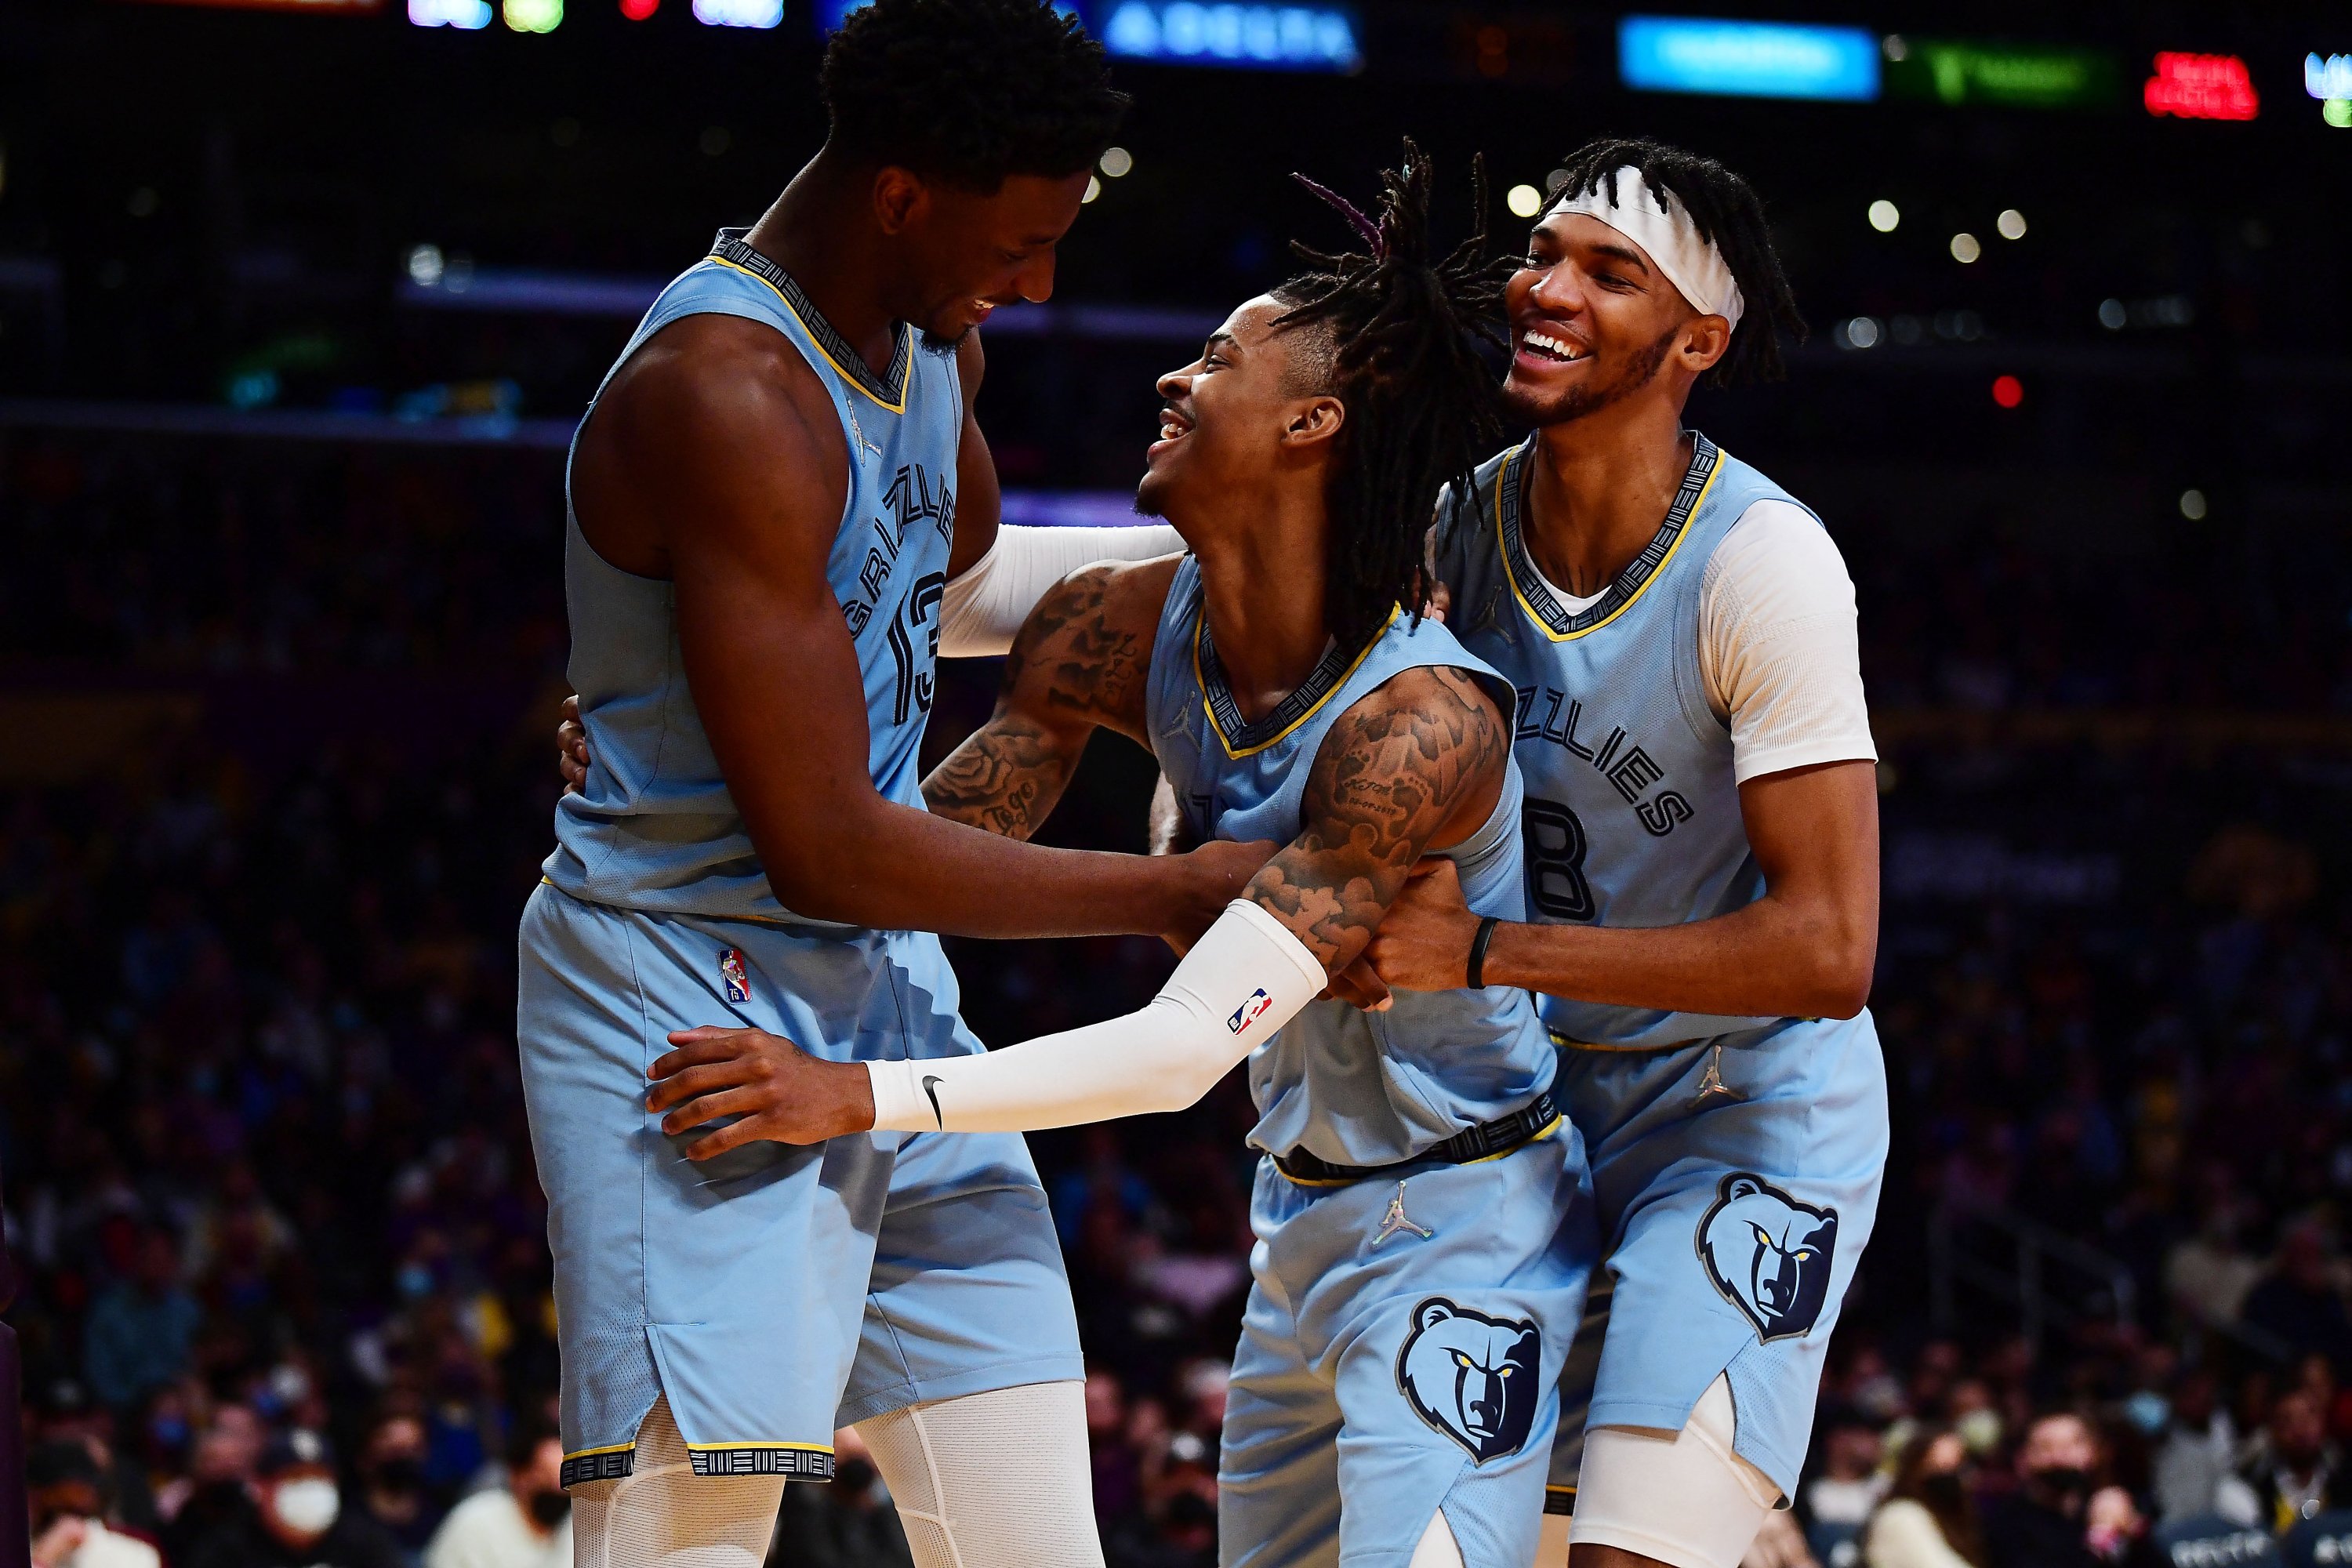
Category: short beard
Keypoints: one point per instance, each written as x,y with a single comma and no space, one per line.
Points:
940,345
1578,402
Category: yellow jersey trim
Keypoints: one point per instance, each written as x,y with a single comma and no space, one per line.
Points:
1208,708
721,1447
906,354
1502,547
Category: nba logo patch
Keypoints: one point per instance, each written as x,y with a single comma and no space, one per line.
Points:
1249,1012
730,969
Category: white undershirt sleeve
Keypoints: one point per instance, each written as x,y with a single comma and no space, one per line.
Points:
1779,645
984,607
1246,978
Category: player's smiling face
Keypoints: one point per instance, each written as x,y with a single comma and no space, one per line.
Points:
1236,417
1592,320
970,253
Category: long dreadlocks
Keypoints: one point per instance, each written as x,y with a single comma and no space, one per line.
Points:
1421,409
1727,213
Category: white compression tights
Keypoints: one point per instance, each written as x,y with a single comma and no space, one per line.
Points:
998,1479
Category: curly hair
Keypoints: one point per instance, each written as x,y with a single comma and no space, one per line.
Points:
969,91
1726,211
1403,324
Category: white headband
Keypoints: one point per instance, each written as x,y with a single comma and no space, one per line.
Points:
1690,261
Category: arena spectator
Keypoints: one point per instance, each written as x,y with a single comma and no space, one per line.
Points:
2193,1469
392,1490
293,1518
65,1489
1851,1482
2060,1517
2295,1473
524,1523
1929,1517
2301,1302
142,1328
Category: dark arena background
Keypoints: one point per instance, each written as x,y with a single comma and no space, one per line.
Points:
299,304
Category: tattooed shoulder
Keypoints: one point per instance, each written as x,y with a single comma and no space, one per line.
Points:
1394,773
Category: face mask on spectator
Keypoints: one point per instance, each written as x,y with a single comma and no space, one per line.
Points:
1944,1490
2149,1411
2064,1481
309,1504
549,1508
401,1473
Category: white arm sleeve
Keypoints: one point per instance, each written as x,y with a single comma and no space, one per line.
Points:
1778,645
985,607
1243,980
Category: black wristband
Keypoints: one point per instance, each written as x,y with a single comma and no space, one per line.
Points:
1486,924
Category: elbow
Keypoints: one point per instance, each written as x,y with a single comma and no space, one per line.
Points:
1839,986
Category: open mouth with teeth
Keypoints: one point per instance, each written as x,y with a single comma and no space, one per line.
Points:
1547,346
1173,428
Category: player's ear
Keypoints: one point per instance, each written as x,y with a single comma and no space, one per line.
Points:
1314,420
900,198
1706,339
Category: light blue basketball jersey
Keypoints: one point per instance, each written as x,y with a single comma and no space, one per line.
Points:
655,828
1349,1087
1632,815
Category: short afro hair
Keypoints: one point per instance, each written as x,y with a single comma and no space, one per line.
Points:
969,91
1727,213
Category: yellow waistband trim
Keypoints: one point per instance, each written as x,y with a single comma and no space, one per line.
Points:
719,1447
1550,1127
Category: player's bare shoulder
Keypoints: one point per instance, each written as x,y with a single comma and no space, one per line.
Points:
715,417
1418,761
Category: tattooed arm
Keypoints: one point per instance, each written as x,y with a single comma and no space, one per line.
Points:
1079,665
1416,765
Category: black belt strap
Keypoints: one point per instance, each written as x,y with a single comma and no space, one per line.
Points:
1482,1141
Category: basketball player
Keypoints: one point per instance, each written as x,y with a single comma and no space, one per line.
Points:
1420,1212
1702,840
767,499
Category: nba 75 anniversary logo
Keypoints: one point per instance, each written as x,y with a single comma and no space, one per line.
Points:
1768,1254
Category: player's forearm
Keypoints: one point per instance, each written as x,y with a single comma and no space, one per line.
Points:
1005,778
894,868
1768,959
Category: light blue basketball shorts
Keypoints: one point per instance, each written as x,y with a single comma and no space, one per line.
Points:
1399,1352
1736,1191
776,1292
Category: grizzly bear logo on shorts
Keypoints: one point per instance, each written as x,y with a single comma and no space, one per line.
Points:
1768,1254
1471,1376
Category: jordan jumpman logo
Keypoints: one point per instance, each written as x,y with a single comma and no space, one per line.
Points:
1395,1223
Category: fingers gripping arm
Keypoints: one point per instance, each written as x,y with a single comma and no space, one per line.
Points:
1418,762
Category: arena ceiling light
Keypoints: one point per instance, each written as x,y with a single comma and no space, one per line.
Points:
1525,201
1748,60
470,14
1885,215
2201,87
1311,37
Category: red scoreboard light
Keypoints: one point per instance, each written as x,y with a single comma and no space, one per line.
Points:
2201,87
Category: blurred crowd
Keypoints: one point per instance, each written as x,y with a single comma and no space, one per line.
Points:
267,1175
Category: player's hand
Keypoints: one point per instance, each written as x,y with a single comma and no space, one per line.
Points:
1359,985
59,1542
1424,944
1210,877
782,1094
572,747
1440,599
